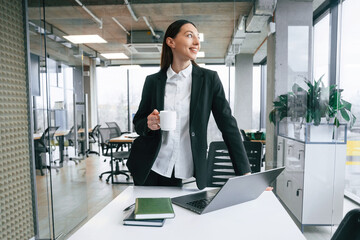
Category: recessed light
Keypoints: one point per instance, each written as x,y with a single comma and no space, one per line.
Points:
201,37
114,56
77,39
201,54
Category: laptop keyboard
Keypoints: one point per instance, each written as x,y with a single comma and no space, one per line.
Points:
201,203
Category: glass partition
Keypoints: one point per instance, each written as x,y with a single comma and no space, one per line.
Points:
56,71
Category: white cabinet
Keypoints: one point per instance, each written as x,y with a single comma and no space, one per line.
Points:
312,184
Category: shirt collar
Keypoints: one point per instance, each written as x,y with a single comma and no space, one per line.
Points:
183,73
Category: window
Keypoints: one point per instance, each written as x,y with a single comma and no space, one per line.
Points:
349,81
112,96
321,49
137,77
214,133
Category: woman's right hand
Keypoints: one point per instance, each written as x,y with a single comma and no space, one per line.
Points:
153,120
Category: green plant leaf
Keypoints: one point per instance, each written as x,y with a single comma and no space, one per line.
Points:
347,105
344,114
296,88
272,116
353,120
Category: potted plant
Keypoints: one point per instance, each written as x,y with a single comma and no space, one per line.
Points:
312,105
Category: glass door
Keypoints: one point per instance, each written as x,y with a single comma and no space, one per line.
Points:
56,71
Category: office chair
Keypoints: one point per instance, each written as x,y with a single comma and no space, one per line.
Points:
254,153
220,167
93,138
43,145
349,227
105,136
116,132
71,142
115,129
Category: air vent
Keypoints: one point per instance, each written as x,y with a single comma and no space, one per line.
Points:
151,48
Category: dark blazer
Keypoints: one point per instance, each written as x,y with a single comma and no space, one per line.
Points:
207,94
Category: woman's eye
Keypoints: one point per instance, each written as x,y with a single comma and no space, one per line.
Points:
189,35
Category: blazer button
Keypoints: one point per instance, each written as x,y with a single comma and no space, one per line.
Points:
193,134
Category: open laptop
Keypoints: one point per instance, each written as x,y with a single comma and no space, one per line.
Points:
236,190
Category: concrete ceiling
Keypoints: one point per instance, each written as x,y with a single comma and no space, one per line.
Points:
216,19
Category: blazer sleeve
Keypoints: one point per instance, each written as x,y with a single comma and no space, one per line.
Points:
229,129
144,110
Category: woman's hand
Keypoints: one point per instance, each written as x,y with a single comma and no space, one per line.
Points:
267,189
153,120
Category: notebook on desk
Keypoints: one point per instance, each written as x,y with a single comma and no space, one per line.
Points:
236,190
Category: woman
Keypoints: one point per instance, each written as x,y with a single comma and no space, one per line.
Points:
165,158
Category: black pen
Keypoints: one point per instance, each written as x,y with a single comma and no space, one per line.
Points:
129,207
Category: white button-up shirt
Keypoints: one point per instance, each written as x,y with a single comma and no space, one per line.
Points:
175,150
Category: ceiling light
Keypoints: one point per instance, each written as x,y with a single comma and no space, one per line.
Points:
77,39
201,54
114,56
201,37
135,66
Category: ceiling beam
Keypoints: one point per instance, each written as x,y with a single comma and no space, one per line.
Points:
64,3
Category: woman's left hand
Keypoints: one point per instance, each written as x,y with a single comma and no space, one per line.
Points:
267,189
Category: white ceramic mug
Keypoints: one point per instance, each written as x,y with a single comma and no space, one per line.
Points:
167,120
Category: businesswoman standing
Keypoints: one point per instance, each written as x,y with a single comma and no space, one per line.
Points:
164,158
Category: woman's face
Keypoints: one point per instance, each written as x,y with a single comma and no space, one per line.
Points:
186,44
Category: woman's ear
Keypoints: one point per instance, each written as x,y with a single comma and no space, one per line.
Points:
170,42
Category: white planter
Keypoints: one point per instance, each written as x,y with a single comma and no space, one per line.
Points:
321,133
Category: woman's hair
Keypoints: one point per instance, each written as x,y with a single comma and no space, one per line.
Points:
166,53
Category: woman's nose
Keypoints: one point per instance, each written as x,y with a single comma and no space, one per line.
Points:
196,40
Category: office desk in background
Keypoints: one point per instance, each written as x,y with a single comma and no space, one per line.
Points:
263,218
60,135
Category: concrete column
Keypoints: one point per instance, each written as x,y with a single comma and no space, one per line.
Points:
288,58
91,89
243,90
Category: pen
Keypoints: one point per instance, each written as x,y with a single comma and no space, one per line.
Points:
129,207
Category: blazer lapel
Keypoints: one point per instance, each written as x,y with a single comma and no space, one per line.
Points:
160,90
197,83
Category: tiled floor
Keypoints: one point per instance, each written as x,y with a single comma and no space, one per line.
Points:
78,194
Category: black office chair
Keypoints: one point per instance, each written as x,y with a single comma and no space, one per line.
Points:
220,167
349,228
43,145
94,138
105,136
116,132
115,126
71,142
254,152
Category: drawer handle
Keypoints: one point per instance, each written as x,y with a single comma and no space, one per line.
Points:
287,183
298,192
300,153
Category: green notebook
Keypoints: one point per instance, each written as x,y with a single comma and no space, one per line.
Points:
153,208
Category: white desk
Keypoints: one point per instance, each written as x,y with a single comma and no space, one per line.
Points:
263,218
